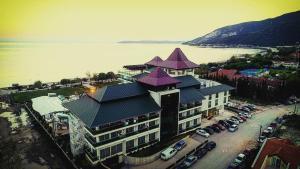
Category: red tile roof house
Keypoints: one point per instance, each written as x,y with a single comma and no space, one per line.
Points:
277,153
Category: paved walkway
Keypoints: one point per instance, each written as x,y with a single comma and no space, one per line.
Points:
191,144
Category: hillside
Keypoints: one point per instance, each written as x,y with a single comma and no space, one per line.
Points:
278,31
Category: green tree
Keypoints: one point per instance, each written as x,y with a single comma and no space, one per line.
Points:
37,84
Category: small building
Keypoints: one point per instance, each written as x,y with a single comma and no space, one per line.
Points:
276,153
51,110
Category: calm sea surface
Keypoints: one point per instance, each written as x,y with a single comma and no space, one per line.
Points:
25,63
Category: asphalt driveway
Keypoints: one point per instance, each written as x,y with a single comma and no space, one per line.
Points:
230,144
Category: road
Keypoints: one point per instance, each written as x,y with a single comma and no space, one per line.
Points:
230,144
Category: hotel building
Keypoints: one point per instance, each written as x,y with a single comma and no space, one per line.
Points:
161,101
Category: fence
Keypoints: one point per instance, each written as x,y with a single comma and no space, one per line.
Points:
49,134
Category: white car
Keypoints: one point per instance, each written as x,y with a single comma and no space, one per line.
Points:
168,153
202,133
270,129
234,121
240,158
233,128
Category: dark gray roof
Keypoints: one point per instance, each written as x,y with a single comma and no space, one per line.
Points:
140,75
215,89
119,91
187,81
93,113
189,95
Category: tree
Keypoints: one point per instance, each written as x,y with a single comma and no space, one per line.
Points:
37,84
65,81
102,76
110,75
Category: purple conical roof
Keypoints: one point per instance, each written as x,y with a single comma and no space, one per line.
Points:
155,61
158,78
178,60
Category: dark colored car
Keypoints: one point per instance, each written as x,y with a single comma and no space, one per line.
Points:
223,123
210,145
180,145
209,130
230,122
201,153
219,126
216,129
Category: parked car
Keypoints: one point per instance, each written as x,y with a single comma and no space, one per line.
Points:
190,160
233,128
234,121
202,132
243,118
209,130
230,122
261,139
210,145
233,165
168,153
270,129
237,118
252,106
180,145
219,126
266,133
216,129
240,158
181,166
224,123
247,115
274,125
200,153
246,109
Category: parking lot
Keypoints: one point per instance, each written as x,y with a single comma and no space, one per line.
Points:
229,145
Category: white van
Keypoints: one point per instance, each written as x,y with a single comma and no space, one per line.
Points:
168,153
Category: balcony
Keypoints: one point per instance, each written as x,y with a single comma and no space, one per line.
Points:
190,115
92,155
122,124
92,140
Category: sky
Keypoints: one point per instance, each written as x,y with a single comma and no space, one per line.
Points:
113,20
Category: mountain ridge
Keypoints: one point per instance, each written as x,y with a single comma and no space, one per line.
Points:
279,31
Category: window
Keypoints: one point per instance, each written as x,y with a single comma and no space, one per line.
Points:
104,137
217,95
114,134
105,152
141,140
225,99
151,136
180,126
129,130
188,124
210,96
129,144
151,123
216,102
225,93
195,122
209,104
116,149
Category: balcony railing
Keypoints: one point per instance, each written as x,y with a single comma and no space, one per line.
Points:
189,106
122,124
91,155
190,115
92,140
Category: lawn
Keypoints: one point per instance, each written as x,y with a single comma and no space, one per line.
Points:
27,96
